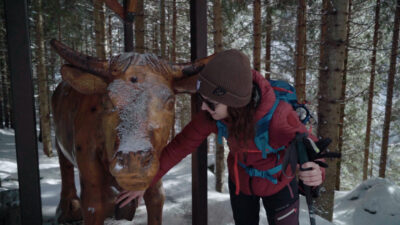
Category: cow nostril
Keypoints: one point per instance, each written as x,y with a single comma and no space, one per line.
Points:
119,156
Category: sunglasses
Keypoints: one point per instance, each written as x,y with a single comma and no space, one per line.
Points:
210,105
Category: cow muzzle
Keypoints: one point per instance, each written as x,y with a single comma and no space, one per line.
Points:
134,170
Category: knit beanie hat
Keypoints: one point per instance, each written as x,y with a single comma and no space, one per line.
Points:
227,79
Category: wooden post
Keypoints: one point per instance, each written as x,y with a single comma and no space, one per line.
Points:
198,40
128,27
23,108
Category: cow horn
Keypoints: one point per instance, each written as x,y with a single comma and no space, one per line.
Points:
180,70
88,63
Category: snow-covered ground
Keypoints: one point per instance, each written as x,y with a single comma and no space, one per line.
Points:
376,201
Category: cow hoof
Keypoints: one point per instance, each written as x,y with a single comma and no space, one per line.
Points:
127,212
69,210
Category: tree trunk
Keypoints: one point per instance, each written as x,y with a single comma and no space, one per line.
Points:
139,27
155,39
268,38
219,148
99,28
87,37
389,94
371,91
1,113
52,68
257,34
1,94
333,36
42,83
5,89
218,45
173,53
174,24
163,41
110,36
371,168
300,55
2,59
343,99
59,18
4,74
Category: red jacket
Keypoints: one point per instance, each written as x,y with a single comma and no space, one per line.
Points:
283,127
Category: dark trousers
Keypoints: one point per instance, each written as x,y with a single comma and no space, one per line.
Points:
282,207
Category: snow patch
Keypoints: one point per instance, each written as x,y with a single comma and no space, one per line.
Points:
133,115
375,201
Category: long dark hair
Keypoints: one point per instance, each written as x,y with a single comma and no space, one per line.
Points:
241,120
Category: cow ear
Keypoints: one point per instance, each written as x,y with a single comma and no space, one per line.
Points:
186,85
188,73
83,82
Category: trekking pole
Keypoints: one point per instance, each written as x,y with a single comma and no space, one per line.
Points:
303,158
309,200
301,150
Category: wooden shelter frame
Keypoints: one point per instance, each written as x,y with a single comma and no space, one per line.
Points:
19,56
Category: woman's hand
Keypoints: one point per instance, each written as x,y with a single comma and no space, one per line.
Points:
127,196
311,177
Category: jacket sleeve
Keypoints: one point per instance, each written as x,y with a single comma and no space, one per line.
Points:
287,124
185,143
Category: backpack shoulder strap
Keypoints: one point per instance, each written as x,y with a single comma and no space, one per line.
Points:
261,138
222,131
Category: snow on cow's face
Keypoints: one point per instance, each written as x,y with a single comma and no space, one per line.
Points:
144,101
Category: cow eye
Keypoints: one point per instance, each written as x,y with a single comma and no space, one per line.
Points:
133,79
170,104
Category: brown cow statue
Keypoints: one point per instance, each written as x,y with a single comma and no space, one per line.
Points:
112,119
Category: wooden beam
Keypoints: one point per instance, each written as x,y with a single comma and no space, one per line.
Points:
23,107
128,29
198,40
116,8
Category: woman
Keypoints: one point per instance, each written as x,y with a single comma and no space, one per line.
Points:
234,99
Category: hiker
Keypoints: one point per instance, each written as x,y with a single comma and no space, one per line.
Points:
234,99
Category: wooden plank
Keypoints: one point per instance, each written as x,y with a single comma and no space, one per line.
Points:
24,115
128,30
198,40
116,7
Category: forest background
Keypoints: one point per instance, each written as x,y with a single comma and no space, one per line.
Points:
286,40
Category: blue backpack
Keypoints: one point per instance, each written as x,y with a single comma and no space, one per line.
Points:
283,92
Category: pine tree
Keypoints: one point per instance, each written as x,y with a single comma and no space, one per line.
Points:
42,82
5,84
257,34
343,100
163,40
389,93
333,38
371,91
219,148
99,28
174,26
139,27
268,39
301,51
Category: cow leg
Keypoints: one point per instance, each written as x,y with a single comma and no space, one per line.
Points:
68,208
154,199
96,195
